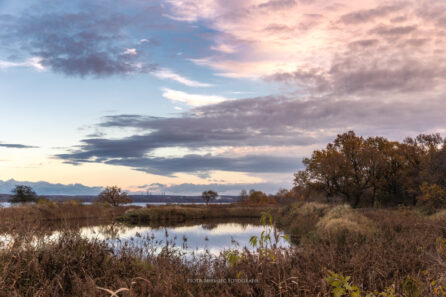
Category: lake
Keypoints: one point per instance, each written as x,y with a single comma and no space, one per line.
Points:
142,204
211,237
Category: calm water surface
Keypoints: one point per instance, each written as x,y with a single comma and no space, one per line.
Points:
142,204
211,237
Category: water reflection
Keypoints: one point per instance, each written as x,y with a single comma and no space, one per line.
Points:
208,236
200,238
141,204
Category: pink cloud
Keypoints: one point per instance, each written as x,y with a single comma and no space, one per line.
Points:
340,39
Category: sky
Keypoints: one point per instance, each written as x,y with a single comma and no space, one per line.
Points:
179,96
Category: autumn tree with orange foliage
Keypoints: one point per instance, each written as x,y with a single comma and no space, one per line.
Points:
376,171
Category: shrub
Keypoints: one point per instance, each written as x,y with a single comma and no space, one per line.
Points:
440,215
404,254
433,196
23,194
300,219
343,218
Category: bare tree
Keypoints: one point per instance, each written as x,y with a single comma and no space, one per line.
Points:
208,196
243,196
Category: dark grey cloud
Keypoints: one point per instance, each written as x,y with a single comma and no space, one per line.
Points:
312,80
15,145
399,58
200,164
367,15
364,43
432,11
393,30
132,151
363,69
278,4
267,121
417,42
84,39
374,83
394,75
278,28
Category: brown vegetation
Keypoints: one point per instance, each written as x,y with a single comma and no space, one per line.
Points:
45,211
377,172
343,218
182,213
259,198
396,250
401,244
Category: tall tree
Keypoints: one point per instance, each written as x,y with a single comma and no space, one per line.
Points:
367,171
343,168
360,165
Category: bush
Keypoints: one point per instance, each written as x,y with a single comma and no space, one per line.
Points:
22,194
432,196
342,219
438,216
402,253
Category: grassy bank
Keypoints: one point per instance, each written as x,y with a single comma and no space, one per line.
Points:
183,213
305,221
394,248
17,216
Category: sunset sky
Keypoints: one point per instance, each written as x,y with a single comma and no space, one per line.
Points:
181,96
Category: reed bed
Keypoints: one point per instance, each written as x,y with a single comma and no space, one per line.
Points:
400,245
15,217
183,213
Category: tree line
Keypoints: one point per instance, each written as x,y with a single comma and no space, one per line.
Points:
363,172
376,171
112,195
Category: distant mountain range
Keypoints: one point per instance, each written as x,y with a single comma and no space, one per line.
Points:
46,188
60,192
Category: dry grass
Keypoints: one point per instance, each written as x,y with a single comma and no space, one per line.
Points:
15,217
440,215
182,213
401,245
343,218
311,208
300,219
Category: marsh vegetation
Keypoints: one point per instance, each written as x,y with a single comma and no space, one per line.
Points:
377,248
366,218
